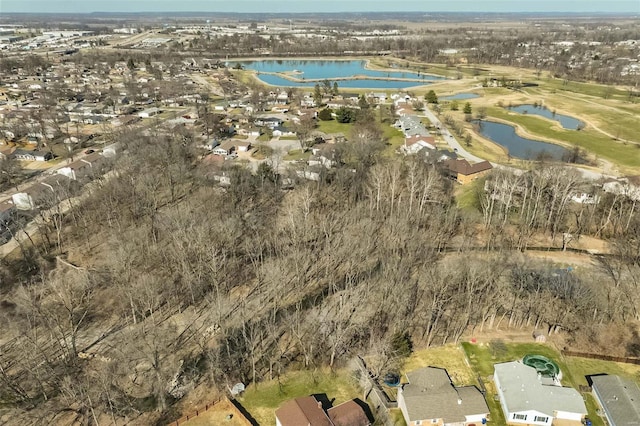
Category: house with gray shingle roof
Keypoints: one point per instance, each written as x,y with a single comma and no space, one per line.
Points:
619,399
525,399
431,398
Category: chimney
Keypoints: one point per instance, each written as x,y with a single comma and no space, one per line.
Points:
320,405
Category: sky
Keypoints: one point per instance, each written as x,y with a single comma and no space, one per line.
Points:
300,6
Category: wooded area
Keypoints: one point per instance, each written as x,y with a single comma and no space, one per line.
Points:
158,279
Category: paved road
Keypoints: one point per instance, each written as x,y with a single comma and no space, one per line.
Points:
449,138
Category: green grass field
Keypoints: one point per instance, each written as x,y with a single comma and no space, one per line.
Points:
627,155
451,357
297,155
334,126
263,399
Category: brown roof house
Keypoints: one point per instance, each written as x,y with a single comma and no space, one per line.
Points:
465,172
303,411
431,398
348,413
308,411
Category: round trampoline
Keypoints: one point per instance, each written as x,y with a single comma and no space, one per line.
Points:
543,365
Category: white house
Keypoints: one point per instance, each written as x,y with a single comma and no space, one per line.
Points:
431,398
414,144
526,400
149,112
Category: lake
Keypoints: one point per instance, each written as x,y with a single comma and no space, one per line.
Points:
565,121
517,146
331,69
460,97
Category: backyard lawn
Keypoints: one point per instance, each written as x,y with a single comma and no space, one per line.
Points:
574,369
451,357
263,399
333,126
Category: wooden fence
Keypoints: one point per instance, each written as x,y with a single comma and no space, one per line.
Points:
237,414
626,360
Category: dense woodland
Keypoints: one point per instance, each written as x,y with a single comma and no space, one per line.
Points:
158,279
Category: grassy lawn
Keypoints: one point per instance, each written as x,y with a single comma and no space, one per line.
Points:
396,417
626,155
581,367
395,138
333,126
296,155
591,89
263,399
467,195
451,357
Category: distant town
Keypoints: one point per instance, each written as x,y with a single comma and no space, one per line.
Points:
320,219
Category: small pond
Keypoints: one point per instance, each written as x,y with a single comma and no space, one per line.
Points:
460,97
334,69
517,146
566,121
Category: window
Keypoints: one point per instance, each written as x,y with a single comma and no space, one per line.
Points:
540,419
418,422
520,417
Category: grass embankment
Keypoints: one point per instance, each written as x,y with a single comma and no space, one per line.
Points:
626,155
263,399
467,195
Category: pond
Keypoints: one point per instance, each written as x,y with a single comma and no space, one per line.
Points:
565,121
460,97
517,146
315,70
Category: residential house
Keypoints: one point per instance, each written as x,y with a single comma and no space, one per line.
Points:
308,411
46,192
225,148
414,144
624,186
348,413
21,154
149,112
619,399
243,146
282,131
411,125
82,167
304,411
430,397
527,398
379,97
323,155
271,122
465,172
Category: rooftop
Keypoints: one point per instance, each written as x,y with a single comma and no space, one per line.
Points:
523,390
620,398
431,395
